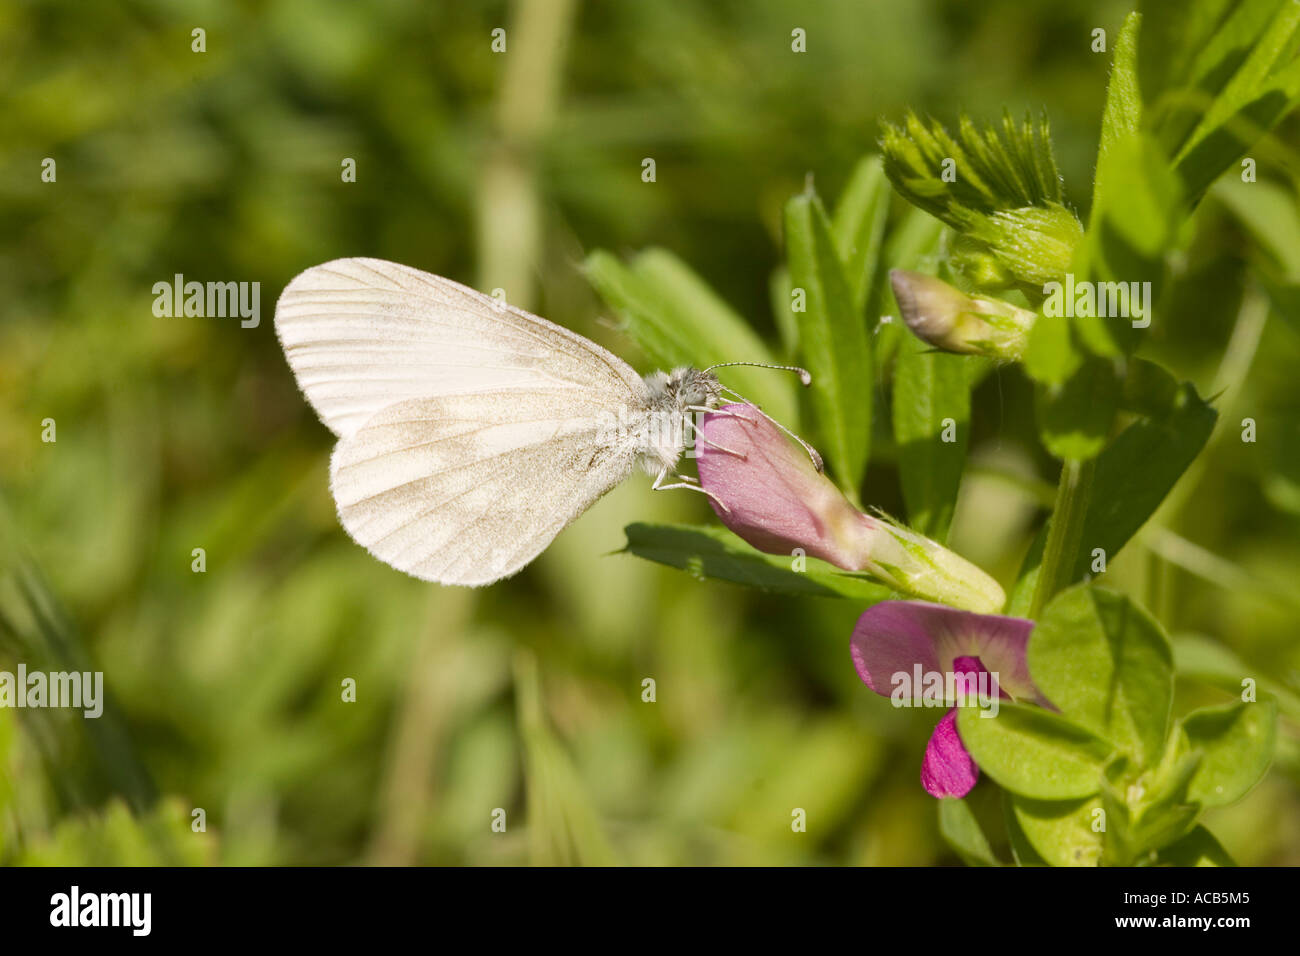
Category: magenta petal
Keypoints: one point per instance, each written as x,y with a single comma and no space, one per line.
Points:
893,635
947,770
892,638
968,671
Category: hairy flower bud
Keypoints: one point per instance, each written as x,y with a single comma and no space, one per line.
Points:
949,319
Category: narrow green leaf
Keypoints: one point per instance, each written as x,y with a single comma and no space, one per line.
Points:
931,411
833,336
709,552
1107,665
1034,752
1259,92
859,226
1133,225
677,319
1148,389
645,318
1138,469
1022,850
1174,33
1236,742
1122,118
959,827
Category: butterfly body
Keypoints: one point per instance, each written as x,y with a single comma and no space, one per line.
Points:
470,432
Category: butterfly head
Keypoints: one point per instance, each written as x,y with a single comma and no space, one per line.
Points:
692,389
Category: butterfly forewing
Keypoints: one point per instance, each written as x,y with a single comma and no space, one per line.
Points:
363,334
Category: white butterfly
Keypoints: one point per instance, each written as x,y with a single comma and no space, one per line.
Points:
470,432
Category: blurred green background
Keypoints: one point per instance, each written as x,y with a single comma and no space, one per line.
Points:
504,170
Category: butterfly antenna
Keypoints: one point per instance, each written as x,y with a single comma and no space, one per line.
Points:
812,452
804,376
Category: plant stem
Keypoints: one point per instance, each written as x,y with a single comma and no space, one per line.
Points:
1064,534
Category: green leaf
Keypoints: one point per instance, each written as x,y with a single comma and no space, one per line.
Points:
1216,75
1256,82
1168,820
1236,742
1138,469
1133,225
710,552
677,319
1122,118
859,226
1074,418
1022,851
959,827
1060,831
1034,752
1106,664
1148,389
1198,848
1132,200
1175,35
931,398
833,336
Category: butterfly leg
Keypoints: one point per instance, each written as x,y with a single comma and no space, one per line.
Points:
812,452
685,482
712,444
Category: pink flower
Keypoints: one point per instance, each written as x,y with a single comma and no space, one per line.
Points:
897,645
769,492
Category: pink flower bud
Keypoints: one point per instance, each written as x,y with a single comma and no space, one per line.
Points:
768,491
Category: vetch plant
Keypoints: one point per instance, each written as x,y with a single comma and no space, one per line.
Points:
974,229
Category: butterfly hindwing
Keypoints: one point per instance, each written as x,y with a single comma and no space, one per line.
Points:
468,489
